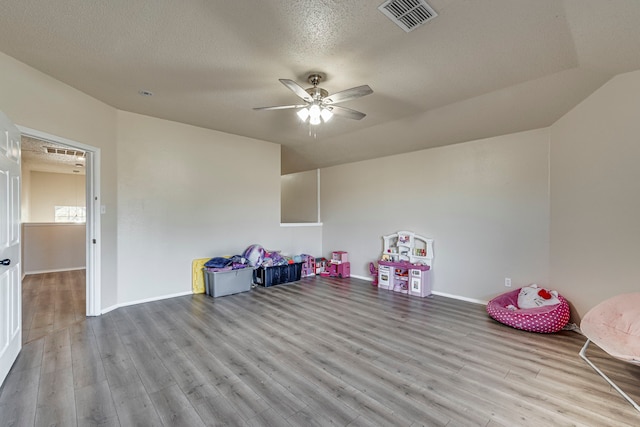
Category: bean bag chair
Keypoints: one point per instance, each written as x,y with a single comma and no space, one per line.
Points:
614,326
549,311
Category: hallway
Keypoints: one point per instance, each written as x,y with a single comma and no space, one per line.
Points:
51,302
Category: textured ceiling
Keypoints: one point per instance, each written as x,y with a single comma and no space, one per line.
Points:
36,158
480,69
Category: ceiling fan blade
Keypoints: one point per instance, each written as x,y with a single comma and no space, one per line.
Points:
280,107
348,94
346,112
297,89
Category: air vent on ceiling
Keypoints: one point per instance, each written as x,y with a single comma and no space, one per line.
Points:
64,151
408,14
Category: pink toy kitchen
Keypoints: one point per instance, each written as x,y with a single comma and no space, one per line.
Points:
338,266
405,264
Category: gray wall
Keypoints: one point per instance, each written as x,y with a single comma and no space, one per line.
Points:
595,195
187,193
485,203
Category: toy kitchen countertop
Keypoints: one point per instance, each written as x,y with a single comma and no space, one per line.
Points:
405,264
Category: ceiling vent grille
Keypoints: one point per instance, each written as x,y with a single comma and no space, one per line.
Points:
64,151
408,14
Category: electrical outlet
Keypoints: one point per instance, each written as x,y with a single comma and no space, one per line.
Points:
507,282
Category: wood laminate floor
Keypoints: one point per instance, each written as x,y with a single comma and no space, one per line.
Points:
51,302
317,352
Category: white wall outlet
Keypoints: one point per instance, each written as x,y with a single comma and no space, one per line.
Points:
507,282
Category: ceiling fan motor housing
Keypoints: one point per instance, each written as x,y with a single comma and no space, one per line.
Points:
317,93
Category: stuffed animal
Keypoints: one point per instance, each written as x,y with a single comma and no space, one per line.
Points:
531,296
254,254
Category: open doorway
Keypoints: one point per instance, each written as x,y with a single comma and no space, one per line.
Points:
53,243
81,214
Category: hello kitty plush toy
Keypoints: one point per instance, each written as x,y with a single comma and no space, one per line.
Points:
531,296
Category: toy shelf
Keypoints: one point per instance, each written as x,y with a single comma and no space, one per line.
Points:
408,246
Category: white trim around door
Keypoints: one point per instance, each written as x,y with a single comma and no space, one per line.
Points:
93,240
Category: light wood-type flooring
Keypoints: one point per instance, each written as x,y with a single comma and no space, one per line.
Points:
317,352
52,301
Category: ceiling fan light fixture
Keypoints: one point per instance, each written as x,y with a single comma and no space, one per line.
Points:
326,114
303,113
314,114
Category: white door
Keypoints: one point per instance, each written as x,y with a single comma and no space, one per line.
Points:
10,277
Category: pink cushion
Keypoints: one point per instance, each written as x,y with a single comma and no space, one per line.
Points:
614,326
545,319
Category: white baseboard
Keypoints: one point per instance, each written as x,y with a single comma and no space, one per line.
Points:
181,294
142,301
441,294
458,297
57,270
108,309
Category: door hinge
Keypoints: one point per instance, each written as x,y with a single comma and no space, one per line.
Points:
94,241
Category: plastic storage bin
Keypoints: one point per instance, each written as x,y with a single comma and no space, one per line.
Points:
221,283
277,275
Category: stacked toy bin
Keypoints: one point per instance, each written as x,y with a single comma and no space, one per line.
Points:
277,275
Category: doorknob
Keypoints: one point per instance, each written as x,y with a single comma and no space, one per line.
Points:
5,261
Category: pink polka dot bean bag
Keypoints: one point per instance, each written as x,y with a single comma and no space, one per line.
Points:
549,312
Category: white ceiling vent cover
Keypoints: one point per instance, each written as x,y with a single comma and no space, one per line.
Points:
408,14
64,151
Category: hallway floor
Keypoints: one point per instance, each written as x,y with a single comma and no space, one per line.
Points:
51,302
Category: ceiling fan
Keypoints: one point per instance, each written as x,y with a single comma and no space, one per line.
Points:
320,106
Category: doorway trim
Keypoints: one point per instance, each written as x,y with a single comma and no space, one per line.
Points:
93,240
